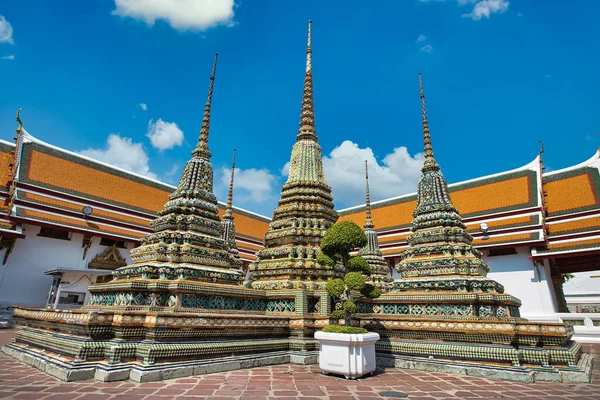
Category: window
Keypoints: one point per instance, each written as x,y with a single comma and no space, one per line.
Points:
54,233
110,243
71,298
104,278
502,252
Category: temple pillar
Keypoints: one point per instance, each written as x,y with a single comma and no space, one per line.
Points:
557,285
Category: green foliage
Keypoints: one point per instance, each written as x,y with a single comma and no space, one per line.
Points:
335,287
338,314
343,237
567,277
354,281
349,307
370,291
324,259
344,329
359,264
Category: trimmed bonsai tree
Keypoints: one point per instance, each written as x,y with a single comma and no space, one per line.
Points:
336,245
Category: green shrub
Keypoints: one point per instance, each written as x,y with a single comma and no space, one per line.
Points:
324,259
370,291
335,287
344,329
359,264
343,237
349,307
338,314
354,281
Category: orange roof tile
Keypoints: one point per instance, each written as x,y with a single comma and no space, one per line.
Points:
580,225
505,239
61,173
385,217
65,221
514,192
574,244
471,199
76,207
5,160
571,192
387,252
505,223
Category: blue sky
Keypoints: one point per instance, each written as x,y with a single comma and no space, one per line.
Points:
498,75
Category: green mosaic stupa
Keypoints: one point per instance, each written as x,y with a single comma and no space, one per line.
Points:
303,214
188,241
440,254
380,271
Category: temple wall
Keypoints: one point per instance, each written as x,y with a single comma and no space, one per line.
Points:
22,279
532,285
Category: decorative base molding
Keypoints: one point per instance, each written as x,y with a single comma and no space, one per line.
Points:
581,374
138,372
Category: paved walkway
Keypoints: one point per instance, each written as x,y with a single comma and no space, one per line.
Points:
285,382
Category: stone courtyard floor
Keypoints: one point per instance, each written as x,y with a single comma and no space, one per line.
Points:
18,381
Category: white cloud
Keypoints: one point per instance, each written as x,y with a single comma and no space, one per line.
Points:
6,31
143,106
421,38
252,186
485,8
481,8
121,152
396,174
9,57
194,15
426,49
164,135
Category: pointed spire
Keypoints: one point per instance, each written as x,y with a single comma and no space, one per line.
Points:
229,210
201,149
430,164
368,218
426,135
307,116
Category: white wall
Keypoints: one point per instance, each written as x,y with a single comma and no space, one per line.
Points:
22,279
583,283
521,279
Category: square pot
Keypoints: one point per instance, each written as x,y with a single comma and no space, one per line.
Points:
351,355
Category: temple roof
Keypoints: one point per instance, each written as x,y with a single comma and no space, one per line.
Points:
573,204
55,184
517,211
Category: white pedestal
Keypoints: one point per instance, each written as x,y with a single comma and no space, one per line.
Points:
351,355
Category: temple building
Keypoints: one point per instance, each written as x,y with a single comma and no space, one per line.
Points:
67,221
166,285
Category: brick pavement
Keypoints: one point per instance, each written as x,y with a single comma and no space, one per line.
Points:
285,382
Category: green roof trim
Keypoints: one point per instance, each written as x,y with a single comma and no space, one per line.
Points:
6,148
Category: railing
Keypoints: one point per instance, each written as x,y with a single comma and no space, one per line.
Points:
586,325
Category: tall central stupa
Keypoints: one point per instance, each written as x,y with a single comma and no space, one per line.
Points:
303,214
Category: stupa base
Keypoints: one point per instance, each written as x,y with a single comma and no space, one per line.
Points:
418,359
69,370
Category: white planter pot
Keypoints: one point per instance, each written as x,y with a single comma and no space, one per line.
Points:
351,355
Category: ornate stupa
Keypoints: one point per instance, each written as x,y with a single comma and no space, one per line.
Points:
380,272
188,241
228,224
303,214
440,254
445,314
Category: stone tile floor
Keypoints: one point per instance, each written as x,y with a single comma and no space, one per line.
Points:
285,382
